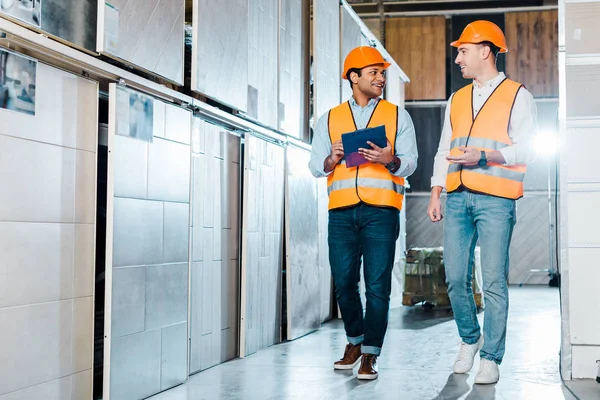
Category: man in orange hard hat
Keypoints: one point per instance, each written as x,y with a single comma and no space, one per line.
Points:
481,162
364,204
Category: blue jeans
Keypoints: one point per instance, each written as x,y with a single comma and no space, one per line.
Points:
469,217
371,233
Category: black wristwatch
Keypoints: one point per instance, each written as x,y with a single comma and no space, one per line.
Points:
392,165
483,160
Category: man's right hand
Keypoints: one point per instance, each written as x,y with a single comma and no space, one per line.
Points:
337,152
435,205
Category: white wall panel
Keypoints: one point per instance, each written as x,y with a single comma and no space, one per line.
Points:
582,80
262,247
584,302
291,68
47,230
220,43
582,28
215,246
581,152
302,246
262,61
147,271
579,73
148,34
326,56
584,361
583,224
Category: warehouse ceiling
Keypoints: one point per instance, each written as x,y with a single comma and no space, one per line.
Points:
398,6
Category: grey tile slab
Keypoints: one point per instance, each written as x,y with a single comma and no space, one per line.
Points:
141,25
85,187
198,134
57,389
66,111
166,295
302,246
45,357
37,262
326,56
209,298
221,35
138,232
84,260
174,365
196,313
291,47
176,232
82,334
169,171
135,362
130,158
159,119
262,59
155,31
178,125
81,385
168,65
72,20
212,178
128,301
351,37
42,181
198,199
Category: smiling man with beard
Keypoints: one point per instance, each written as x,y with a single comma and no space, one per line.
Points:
364,204
481,162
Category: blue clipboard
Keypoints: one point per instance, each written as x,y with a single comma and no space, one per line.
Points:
352,141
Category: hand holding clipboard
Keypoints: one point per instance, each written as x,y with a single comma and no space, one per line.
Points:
353,141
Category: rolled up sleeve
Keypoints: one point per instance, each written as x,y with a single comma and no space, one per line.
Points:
321,147
522,130
406,145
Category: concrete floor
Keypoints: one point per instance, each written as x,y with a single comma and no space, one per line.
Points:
416,362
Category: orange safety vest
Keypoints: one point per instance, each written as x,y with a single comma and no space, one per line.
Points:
488,131
368,183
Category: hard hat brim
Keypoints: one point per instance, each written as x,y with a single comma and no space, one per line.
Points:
386,65
457,43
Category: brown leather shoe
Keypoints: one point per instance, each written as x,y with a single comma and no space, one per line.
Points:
368,367
351,357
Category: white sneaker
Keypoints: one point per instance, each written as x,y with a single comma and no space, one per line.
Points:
466,354
488,372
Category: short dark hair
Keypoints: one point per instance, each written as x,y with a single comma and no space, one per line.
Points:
495,50
351,70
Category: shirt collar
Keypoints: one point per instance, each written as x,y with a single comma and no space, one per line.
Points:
492,82
371,102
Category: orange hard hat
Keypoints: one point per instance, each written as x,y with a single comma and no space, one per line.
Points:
482,31
362,57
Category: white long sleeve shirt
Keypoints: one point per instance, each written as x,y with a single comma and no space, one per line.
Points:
522,129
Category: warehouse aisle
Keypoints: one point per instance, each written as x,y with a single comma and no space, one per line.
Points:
416,361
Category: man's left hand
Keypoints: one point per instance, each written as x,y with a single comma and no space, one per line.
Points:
470,156
378,155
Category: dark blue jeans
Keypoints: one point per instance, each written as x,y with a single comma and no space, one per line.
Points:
371,233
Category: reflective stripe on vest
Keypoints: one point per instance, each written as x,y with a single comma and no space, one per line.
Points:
488,131
370,183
